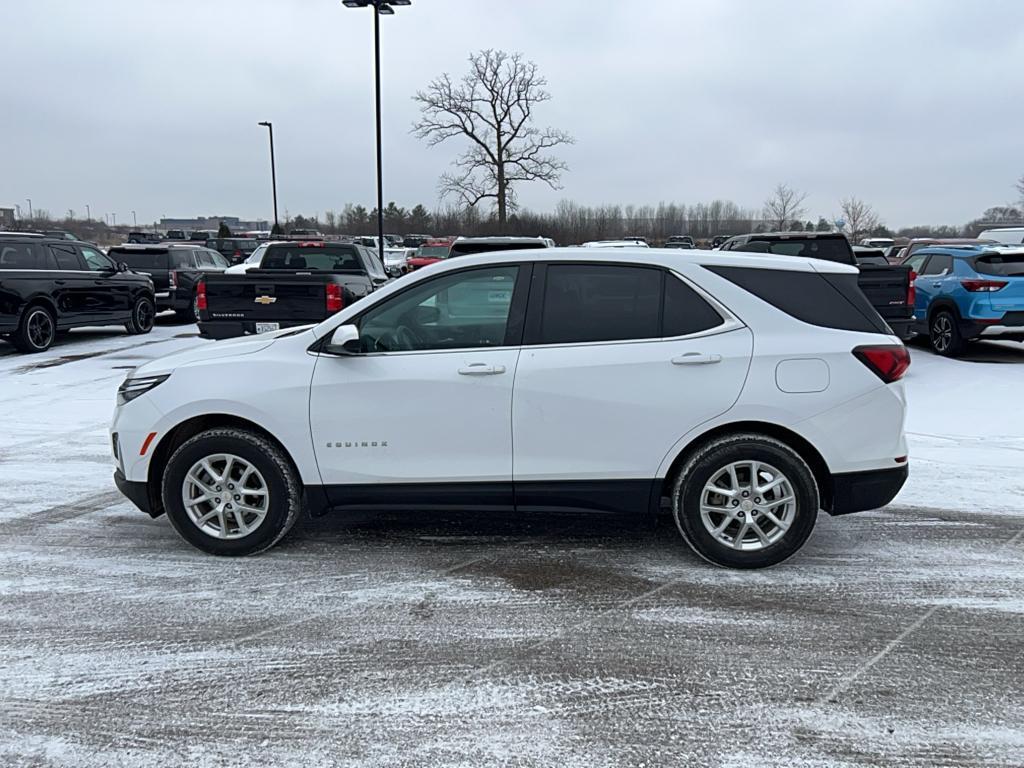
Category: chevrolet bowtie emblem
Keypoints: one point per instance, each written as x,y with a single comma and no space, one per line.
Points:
266,299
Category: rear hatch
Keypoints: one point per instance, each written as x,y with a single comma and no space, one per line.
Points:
146,261
1007,268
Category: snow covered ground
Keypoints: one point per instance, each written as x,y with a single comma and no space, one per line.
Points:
895,638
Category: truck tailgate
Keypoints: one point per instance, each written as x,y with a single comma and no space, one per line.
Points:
260,297
886,287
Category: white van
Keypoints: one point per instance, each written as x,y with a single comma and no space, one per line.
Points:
1005,235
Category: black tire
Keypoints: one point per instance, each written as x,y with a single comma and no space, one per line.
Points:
944,334
143,316
188,315
712,458
284,491
37,330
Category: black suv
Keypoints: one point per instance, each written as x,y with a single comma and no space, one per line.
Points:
176,269
234,249
49,285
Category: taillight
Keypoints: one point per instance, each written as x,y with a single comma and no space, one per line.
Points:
888,361
174,278
334,299
911,290
201,296
237,254
982,286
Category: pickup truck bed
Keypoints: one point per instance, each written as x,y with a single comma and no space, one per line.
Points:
296,284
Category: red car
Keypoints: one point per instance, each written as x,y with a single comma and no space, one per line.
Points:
429,252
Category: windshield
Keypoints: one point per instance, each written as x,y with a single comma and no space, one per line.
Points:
433,251
1004,265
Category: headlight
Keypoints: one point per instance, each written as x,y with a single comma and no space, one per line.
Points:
131,388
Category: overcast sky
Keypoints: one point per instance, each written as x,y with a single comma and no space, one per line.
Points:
152,105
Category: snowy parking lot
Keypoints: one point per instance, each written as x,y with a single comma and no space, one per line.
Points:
895,637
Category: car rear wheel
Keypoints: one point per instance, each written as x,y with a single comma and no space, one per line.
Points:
944,334
231,492
37,330
745,501
143,316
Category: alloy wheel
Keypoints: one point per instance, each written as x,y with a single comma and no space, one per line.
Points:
225,496
144,316
942,332
747,505
40,329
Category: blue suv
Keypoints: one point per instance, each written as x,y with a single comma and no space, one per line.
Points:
968,292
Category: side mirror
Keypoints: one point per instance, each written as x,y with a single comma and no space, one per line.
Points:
122,266
344,341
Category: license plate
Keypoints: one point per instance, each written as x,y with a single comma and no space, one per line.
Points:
267,327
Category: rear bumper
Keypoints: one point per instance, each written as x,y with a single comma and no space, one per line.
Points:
861,491
230,329
901,327
136,493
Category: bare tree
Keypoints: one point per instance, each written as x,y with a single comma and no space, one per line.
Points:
783,207
1020,188
861,219
492,107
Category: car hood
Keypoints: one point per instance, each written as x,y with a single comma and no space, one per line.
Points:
243,345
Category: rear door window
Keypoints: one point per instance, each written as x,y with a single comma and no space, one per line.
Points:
66,257
593,303
938,264
686,311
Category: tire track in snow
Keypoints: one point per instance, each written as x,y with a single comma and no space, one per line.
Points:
61,513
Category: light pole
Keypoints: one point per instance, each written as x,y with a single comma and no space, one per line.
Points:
30,216
135,222
113,219
380,8
273,170
88,212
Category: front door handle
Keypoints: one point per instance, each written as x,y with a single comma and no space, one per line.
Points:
696,358
936,285
481,369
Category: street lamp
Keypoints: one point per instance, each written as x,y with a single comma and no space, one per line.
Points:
135,222
381,8
88,213
273,170
30,216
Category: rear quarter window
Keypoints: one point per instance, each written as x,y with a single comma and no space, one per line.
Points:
1002,265
825,300
25,256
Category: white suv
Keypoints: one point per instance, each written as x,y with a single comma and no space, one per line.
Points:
744,391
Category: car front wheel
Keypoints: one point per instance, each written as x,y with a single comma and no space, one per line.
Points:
231,492
745,501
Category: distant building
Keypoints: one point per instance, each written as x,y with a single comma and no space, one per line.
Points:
233,223
6,218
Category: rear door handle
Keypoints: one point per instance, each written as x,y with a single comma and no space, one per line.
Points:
481,369
936,285
59,282
696,358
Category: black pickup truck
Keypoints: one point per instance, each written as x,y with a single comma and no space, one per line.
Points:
295,283
886,287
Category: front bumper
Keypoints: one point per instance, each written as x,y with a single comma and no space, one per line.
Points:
136,493
861,491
